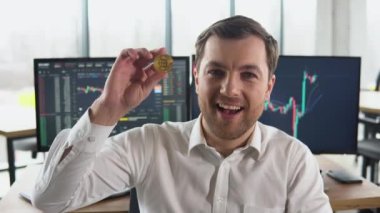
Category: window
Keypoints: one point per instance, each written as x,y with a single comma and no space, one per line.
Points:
267,13
118,24
36,29
190,18
299,27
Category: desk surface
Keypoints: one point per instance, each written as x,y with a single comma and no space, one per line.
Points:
17,121
342,196
349,196
12,202
370,102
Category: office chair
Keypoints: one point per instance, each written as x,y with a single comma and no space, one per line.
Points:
370,150
369,147
26,144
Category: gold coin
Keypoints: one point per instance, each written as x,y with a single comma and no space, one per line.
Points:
163,63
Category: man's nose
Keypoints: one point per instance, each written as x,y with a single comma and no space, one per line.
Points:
230,86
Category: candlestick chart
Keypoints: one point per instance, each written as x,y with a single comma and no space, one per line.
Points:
297,108
88,86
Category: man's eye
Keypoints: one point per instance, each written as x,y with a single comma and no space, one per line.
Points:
216,73
248,75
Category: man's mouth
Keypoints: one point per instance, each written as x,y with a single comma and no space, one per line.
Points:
229,109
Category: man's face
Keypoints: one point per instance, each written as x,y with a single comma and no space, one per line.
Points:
232,85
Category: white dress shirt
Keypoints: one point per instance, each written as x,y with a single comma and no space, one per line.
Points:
174,170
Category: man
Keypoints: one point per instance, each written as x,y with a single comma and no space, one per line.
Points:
224,161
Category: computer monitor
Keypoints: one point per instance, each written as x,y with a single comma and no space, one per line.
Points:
66,87
315,99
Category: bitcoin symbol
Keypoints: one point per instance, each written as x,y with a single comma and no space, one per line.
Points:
163,63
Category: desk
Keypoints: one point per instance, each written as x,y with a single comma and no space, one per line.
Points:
16,123
370,102
342,196
12,202
349,196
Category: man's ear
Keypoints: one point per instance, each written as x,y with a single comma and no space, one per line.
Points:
196,77
271,82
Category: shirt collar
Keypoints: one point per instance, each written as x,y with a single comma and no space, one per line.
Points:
196,135
197,139
256,141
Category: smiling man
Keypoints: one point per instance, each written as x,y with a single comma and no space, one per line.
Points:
223,161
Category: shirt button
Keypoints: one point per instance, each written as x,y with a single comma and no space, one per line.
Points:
220,199
90,139
80,134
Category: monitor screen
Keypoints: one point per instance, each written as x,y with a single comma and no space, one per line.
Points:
65,88
315,99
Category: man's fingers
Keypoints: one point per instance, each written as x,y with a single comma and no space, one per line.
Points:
140,56
129,53
153,80
143,54
159,51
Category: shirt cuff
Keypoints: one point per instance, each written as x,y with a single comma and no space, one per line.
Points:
88,136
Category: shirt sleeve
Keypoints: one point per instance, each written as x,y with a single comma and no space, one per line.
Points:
59,184
305,184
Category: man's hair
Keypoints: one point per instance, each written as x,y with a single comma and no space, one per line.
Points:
238,27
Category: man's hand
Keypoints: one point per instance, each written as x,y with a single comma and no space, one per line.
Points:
127,85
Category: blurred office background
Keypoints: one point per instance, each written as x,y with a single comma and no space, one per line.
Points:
99,28
75,28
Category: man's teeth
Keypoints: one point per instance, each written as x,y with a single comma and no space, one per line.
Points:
229,107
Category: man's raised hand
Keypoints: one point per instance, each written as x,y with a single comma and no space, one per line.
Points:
127,85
